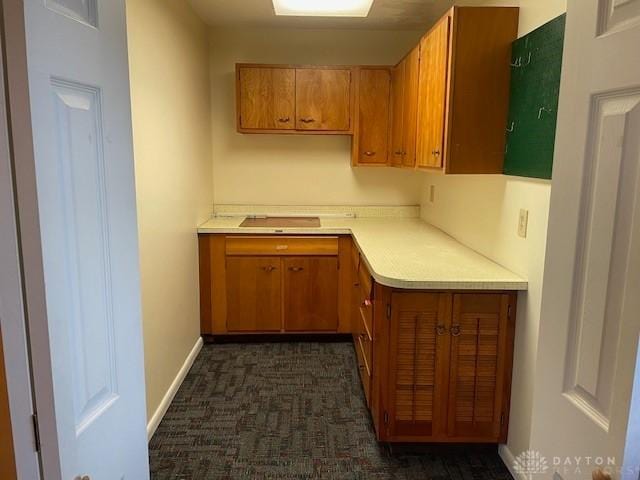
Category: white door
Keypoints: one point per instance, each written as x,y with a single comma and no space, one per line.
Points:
591,295
80,107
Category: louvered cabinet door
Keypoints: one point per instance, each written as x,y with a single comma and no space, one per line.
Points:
480,371
418,364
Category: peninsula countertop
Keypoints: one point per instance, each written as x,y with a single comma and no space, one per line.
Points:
405,253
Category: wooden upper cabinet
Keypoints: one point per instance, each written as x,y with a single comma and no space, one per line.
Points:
480,372
432,95
323,99
266,98
397,115
464,90
310,294
371,142
404,116
418,362
283,99
410,109
253,294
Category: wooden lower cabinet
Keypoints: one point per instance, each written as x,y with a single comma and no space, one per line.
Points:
274,284
253,294
310,294
435,365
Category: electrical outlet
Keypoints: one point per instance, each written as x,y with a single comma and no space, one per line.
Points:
523,223
432,193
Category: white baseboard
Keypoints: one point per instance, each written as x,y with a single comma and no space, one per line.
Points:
509,460
156,418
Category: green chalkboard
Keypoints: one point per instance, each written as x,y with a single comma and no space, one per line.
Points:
536,63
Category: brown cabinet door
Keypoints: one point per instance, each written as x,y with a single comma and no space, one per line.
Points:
266,98
480,372
397,107
253,294
310,294
432,96
373,125
323,99
418,362
410,109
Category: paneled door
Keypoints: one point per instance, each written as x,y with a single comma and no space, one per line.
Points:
267,98
397,115
431,100
374,85
410,108
310,294
323,99
418,353
254,294
89,353
589,320
480,365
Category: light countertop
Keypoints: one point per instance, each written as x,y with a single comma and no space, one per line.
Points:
401,252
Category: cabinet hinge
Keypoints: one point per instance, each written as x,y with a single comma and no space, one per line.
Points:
338,262
502,418
36,432
389,311
509,312
386,418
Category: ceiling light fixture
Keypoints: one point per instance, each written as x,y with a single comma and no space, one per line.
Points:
323,8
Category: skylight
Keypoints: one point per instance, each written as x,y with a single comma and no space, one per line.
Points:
323,8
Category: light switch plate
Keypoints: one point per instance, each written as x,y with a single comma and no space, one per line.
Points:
523,223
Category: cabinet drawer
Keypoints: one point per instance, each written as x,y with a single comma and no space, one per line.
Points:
366,344
263,245
365,280
365,373
366,316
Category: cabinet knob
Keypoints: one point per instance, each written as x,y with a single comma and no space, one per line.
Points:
296,269
369,153
269,268
441,330
284,119
307,120
435,153
399,152
455,330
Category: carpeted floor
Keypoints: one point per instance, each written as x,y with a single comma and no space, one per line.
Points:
289,411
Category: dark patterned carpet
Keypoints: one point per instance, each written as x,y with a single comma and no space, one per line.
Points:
290,411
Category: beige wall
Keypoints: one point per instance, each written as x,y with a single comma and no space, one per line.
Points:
168,55
482,212
298,170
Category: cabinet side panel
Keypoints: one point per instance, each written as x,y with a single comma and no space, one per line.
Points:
217,266
480,88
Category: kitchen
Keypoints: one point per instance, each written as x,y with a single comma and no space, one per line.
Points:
300,239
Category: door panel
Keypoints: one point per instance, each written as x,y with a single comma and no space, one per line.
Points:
397,115
323,99
267,98
479,358
253,294
590,326
80,109
310,294
418,363
410,109
431,103
374,91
